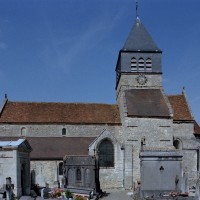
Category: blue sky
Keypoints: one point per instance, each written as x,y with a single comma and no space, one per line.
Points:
66,50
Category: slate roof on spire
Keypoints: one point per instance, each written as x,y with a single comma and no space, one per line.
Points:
139,39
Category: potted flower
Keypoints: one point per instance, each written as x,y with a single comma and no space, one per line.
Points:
69,194
79,197
57,192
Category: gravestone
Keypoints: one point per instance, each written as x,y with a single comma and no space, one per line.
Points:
40,178
161,171
81,174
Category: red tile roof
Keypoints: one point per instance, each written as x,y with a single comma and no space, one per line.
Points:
72,113
86,113
54,148
180,108
196,129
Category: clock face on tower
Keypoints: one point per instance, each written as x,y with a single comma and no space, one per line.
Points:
141,79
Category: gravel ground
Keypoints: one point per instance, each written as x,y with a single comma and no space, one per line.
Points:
117,195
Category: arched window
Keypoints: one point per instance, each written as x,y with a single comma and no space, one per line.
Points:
148,65
177,144
60,168
88,177
23,131
78,174
141,65
64,131
70,175
133,65
106,154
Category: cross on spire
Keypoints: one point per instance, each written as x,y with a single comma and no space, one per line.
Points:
136,8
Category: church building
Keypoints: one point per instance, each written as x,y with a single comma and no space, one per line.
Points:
143,114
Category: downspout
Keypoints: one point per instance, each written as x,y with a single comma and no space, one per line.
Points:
132,167
123,149
198,160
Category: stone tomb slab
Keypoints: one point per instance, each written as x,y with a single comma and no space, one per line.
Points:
161,172
81,174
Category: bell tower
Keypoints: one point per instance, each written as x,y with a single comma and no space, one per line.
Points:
144,109
139,61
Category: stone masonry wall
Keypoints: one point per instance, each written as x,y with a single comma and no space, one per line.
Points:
109,177
45,130
130,82
157,132
190,148
183,129
112,177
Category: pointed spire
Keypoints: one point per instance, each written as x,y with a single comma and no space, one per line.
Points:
139,39
136,9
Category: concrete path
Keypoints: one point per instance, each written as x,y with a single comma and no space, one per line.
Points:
117,195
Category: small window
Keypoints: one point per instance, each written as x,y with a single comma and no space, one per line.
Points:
133,65
60,168
23,131
78,174
106,153
141,65
177,144
148,65
64,131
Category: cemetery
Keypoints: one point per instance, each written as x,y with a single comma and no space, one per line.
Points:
147,143
81,175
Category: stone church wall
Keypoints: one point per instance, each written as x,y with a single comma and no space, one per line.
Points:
56,130
130,82
155,132
183,129
113,177
46,171
183,132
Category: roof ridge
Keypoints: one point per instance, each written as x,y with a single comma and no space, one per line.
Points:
188,105
174,95
3,104
52,137
41,102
